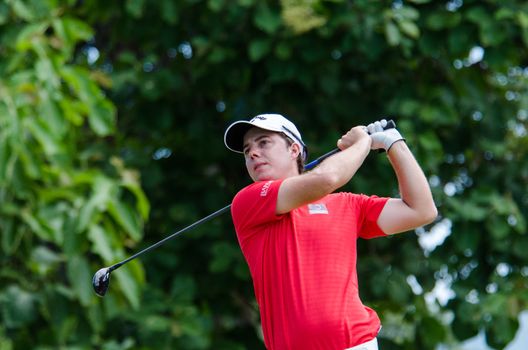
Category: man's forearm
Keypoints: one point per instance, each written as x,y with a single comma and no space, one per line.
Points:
332,173
413,185
342,166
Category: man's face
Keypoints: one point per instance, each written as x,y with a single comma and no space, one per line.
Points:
268,156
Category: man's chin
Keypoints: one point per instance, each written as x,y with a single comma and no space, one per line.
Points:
263,177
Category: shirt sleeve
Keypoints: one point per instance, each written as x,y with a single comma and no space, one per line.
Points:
255,205
370,208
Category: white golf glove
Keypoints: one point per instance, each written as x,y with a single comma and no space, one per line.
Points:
383,138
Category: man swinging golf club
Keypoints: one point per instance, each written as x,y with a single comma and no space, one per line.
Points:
299,238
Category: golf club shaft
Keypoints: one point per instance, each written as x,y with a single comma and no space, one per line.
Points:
155,245
390,125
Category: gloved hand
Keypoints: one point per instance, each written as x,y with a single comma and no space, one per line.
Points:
381,138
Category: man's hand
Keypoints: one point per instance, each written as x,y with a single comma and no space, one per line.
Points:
381,138
351,137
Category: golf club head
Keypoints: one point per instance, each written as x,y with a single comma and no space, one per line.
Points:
100,281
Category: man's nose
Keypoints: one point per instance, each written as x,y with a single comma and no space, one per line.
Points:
253,153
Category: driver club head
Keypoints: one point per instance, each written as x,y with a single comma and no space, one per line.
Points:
100,281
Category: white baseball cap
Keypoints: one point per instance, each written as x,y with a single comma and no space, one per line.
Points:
234,135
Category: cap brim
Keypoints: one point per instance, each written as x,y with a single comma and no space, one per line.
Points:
234,135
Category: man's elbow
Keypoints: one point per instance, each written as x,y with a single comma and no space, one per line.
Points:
328,182
429,214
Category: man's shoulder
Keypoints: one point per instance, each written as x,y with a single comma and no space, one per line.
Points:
343,196
349,198
258,189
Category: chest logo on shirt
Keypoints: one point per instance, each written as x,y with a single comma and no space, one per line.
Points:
317,208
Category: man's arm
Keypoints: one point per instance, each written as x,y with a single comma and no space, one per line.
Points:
416,206
332,173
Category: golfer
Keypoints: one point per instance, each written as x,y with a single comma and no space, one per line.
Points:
299,238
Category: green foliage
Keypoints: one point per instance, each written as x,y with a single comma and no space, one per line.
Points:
107,108
67,204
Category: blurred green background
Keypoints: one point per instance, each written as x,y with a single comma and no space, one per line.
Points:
112,116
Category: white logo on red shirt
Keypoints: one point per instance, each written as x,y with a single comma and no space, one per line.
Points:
317,208
265,188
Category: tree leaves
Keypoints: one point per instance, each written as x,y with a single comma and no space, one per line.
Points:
99,111
131,278
266,19
18,306
259,48
79,274
301,16
401,21
67,204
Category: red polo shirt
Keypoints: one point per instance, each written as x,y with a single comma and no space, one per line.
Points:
303,266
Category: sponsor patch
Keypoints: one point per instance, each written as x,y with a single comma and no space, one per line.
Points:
265,188
317,208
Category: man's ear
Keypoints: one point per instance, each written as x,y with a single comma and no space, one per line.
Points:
295,150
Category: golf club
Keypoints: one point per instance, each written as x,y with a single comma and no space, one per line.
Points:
101,278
